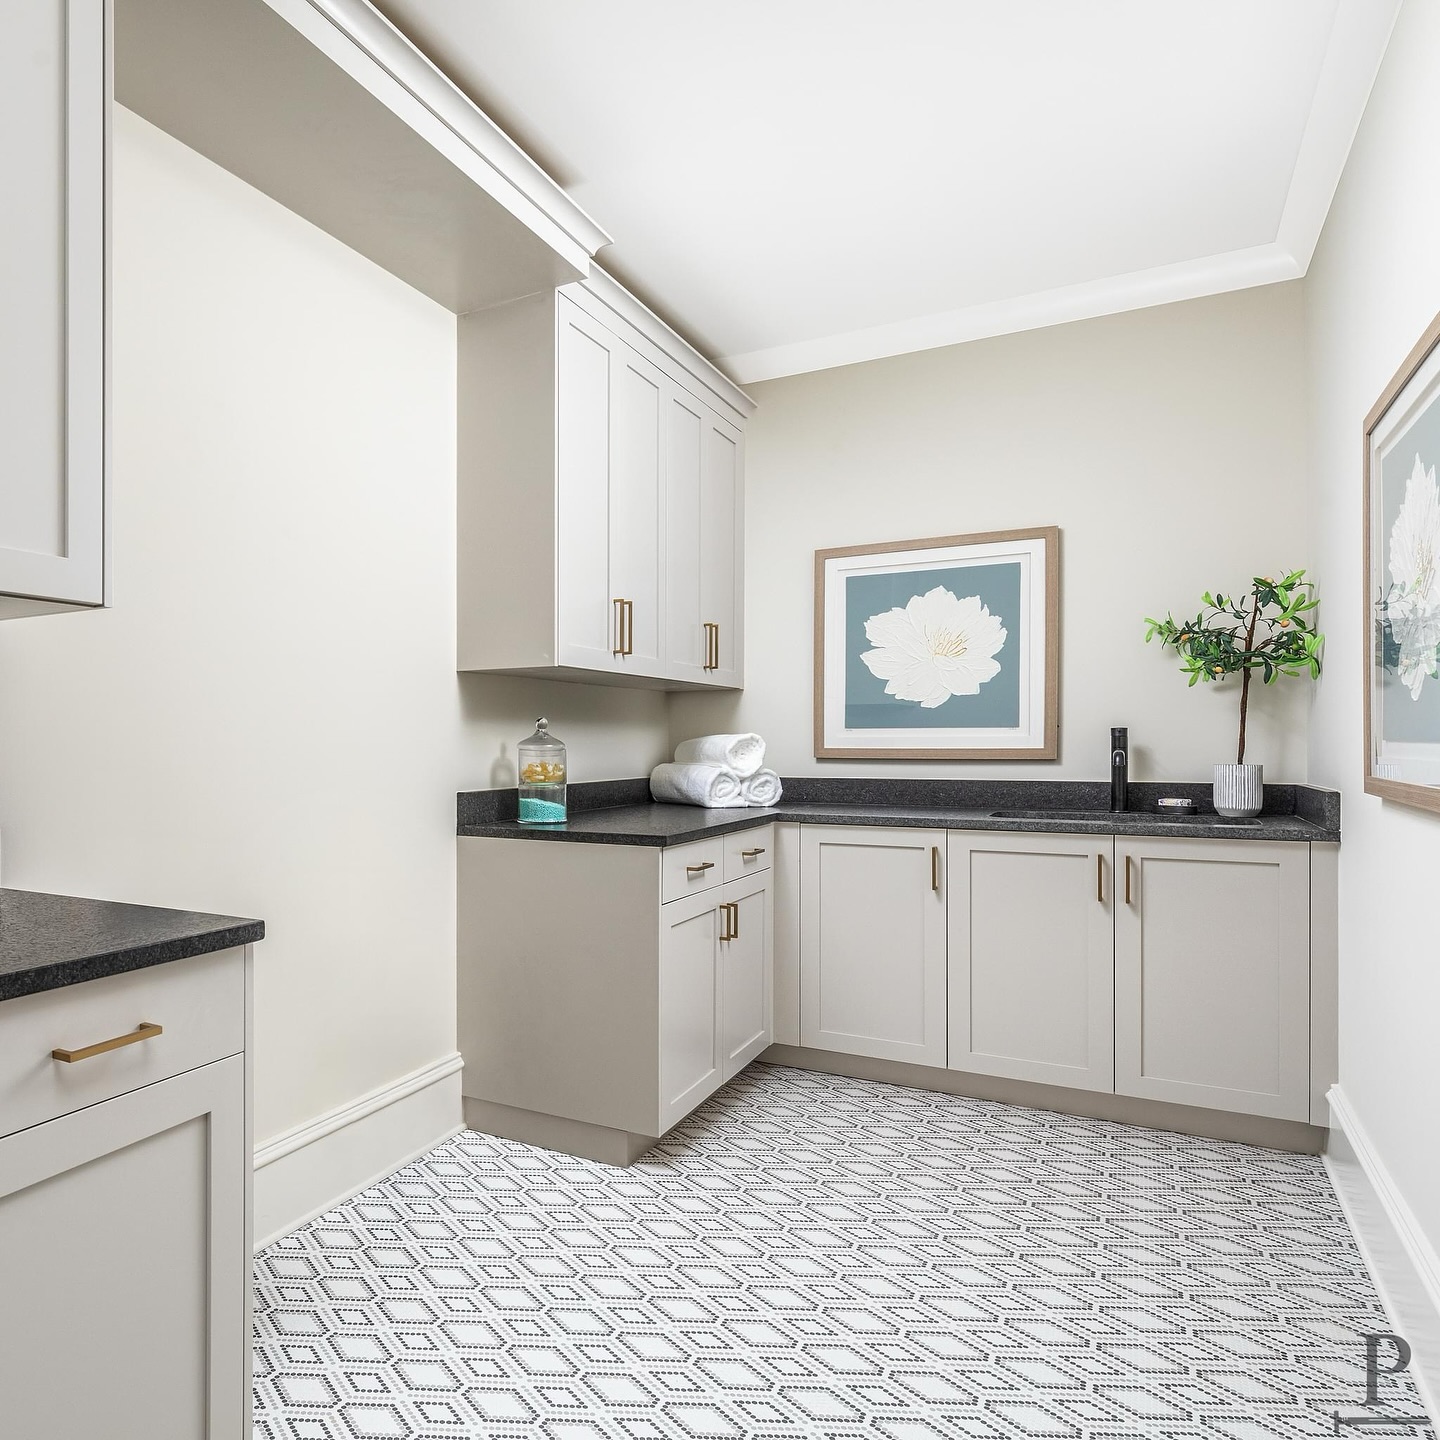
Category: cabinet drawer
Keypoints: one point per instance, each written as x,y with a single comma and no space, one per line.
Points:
748,852
689,869
199,1003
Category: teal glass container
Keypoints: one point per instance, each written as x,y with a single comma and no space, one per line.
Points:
542,777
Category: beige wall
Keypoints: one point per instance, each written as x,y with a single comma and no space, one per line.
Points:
269,721
1168,446
1373,288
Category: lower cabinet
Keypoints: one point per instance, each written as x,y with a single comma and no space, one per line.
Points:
1164,969
597,1020
872,942
1212,974
1031,959
124,1245
716,989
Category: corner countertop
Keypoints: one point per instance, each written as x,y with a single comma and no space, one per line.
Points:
621,812
50,941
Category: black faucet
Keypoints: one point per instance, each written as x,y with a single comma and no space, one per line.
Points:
1119,769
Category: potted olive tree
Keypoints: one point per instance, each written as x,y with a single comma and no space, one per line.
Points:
1263,629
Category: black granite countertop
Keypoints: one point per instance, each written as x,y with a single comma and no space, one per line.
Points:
620,812
49,941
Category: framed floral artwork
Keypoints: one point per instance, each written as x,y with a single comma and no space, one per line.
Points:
1402,582
944,649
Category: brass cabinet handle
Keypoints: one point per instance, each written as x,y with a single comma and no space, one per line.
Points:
701,868
1127,880
624,627
1099,877
935,867
712,645
735,920
751,854
729,921
146,1031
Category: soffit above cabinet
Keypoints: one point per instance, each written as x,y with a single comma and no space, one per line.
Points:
326,108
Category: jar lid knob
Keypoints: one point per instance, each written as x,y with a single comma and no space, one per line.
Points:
542,723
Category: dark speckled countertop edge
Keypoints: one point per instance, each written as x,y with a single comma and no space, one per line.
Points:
50,942
620,812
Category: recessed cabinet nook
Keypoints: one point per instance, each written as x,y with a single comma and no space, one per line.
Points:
601,493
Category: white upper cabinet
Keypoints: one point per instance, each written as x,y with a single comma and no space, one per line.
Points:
54,101
601,486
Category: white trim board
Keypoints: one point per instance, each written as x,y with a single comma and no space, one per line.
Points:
1358,39
1401,1260
307,1170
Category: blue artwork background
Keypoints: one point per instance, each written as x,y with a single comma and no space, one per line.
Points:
997,706
1401,718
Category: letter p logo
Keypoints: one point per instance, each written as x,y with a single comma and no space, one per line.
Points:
1373,1372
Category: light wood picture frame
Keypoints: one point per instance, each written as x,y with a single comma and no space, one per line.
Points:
1401,628
939,649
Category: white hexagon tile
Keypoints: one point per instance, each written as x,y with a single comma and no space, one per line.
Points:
809,1256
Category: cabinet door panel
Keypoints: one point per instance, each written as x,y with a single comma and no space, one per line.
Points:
721,538
636,504
684,443
872,947
1031,973
747,979
53,135
123,1261
582,476
1212,974
690,1062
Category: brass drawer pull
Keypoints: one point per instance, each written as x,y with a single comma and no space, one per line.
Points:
712,645
701,868
751,854
146,1031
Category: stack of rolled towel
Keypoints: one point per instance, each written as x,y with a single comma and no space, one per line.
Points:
720,772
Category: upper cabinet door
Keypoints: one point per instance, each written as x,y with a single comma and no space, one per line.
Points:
587,619
1212,974
721,543
637,509
872,942
686,423
1031,958
54,92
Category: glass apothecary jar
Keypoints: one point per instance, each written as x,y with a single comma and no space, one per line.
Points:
542,778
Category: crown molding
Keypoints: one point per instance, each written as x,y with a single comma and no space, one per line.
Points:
1238,270
1358,39
1359,35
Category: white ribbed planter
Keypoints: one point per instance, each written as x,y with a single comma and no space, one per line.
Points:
1239,790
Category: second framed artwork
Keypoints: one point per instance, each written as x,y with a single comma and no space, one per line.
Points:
943,649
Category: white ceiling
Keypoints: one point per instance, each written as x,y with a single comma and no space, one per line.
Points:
797,184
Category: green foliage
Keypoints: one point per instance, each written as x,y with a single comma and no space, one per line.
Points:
1263,629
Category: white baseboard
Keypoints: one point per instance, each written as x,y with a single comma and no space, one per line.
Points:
306,1171
1401,1260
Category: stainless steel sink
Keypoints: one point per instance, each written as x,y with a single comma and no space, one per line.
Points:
1049,814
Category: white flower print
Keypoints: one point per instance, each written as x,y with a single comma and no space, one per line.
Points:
1413,606
937,646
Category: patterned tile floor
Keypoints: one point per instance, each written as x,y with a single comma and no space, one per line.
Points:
810,1256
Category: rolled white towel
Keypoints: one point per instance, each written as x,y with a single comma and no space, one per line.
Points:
712,786
744,754
761,788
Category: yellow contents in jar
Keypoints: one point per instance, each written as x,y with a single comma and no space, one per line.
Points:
543,772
